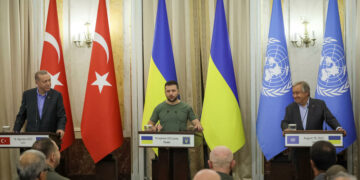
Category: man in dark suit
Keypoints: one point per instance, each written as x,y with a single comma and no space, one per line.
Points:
42,107
308,114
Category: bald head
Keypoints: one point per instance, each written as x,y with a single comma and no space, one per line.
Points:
207,174
31,164
221,159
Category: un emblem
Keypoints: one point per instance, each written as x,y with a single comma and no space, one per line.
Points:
277,79
332,77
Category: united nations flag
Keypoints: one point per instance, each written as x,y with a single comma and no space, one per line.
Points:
333,84
276,88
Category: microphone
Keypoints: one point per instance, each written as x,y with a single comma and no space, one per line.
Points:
325,119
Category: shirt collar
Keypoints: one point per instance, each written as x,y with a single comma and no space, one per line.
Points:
37,92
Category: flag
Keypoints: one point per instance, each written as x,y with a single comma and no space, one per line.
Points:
52,60
162,66
276,91
221,117
101,128
333,85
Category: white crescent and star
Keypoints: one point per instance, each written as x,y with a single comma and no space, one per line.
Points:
101,81
51,39
55,80
3,141
99,39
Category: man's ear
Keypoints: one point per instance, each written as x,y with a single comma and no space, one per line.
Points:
210,164
52,157
43,175
232,164
312,164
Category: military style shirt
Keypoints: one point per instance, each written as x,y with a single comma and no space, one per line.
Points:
172,117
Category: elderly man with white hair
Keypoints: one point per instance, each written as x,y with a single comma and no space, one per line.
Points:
32,165
221,160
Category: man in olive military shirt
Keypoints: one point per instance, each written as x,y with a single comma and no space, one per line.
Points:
172,113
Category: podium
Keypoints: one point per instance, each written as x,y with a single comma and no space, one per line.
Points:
306,138
300,141
24,139
172,162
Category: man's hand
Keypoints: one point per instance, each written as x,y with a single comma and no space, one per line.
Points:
158,127
341,129
197,125
60,132
285,130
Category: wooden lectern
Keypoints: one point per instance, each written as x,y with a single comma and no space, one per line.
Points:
24,139
172,162
300,142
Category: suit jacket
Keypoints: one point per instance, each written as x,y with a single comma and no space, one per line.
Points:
317,113
53,114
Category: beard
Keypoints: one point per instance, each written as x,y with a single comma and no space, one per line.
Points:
171,100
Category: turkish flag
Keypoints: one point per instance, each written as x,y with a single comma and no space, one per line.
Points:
101,128
52,60
4,140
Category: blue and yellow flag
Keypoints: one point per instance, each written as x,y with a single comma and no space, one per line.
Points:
333,84
221,117
276,91
162,66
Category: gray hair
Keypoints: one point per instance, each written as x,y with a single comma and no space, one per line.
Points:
31,164
41,72
304,86
343,175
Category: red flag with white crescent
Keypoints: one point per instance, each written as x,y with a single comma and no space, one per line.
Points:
101,128
52,60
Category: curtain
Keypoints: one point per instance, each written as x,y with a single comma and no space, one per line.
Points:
19,59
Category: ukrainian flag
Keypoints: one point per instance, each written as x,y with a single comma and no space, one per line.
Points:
335,140
162,66
221,117
146,139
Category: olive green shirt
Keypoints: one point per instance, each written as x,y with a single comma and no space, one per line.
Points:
173,117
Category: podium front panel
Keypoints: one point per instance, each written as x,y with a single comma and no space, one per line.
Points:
8,140
308,139
185,140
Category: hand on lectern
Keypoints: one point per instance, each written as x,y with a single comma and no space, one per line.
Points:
158,127
60,133
285,130
341,129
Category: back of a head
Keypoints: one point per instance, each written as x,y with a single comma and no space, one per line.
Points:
335,169
342,176
323,154
31,164
207,174
221,157
45,145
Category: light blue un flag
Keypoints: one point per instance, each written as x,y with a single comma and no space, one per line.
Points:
333,84
276,88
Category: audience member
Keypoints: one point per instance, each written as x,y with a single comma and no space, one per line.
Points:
333,170
221,161
343,176
52,153
206,174
32,165
322,156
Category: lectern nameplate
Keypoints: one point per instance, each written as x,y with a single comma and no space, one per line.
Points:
184,140
296,139
20,140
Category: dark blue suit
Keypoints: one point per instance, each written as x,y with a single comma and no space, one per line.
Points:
318,112
53,114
